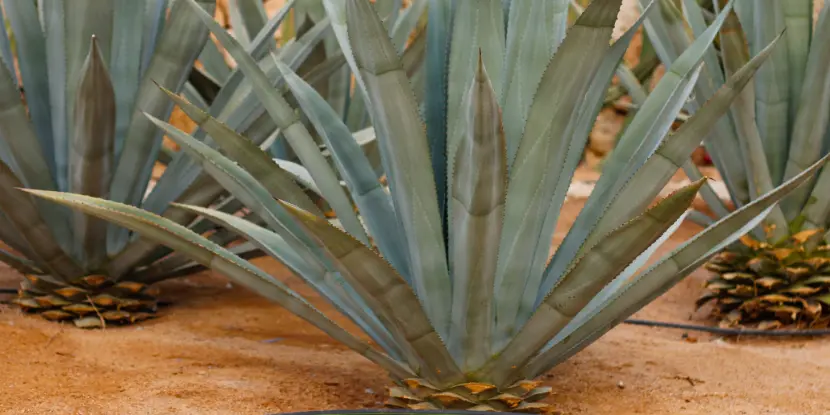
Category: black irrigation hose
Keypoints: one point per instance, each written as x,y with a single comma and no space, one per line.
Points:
731,332
8,290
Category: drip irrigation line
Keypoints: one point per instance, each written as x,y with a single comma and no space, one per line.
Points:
729,331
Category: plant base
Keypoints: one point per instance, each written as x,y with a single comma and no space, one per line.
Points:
771,286
93,301
523,397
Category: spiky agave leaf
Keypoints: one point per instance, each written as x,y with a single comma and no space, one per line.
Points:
417,321
93,147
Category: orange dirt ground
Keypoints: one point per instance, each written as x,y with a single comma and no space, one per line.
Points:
209,354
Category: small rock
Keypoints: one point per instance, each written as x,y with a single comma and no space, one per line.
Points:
621,385
369,391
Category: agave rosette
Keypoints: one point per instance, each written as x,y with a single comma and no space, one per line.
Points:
777,126
88,73
448,270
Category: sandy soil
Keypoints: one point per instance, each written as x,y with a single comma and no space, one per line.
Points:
223,350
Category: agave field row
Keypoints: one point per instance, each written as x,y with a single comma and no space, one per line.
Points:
409,163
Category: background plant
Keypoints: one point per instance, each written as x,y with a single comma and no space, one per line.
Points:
776,127
79,126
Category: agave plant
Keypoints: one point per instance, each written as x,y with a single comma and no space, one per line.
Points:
448,271
777,126
79,127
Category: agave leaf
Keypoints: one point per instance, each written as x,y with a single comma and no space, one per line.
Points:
540,155
387,294
249,156
478,197
711,71
336,88
633,150
86,18
32,59
579,130
813,116
91,159
772,88
665,31
247,18
354,108
661,276
586,276
627,77
10,237
368,142
219,259
25,154
20,137
299,138
437,79
311,272
180,43
477,29
701,219
735,55
403,146
535,29
23,215
21,264
125,62
798,21
364,188
155,13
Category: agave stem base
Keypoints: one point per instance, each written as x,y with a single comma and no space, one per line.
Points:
522,397
93,301
771,286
